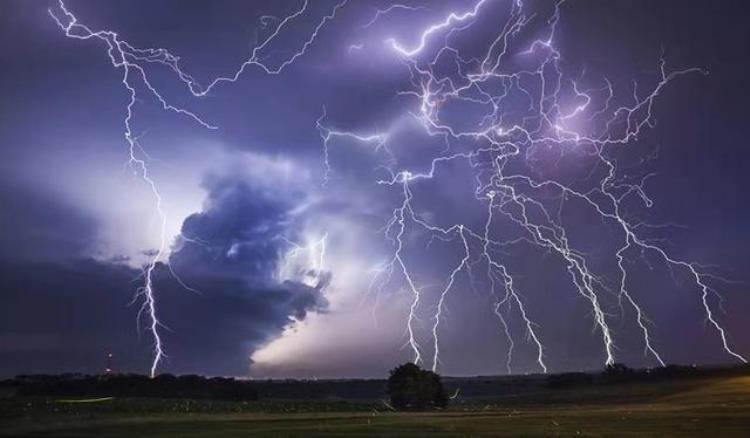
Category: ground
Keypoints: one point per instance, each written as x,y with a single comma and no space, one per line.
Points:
718,407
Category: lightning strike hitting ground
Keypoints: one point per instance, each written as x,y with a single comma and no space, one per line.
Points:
502,141
133,63
124,57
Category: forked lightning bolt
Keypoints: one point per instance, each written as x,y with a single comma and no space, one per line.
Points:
134,63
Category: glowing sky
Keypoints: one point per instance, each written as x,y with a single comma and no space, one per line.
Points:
294,246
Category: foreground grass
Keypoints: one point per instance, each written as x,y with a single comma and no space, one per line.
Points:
718,407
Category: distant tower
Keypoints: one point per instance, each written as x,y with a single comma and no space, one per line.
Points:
108,368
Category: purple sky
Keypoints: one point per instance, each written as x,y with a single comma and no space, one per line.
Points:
296,243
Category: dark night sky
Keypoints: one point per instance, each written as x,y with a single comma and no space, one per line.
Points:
76,224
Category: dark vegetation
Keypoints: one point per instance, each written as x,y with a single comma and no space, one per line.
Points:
190,387
688,402
412,388
135,385
620,373
669,401
422,390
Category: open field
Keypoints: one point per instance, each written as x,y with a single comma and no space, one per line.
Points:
718,406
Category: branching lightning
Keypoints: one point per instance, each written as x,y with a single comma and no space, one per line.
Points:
125,57
133,62
505,136
305,263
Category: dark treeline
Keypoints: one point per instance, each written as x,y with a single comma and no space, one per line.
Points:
192,387
218,388
134,385
619,373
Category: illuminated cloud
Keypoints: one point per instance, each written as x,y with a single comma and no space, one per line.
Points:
363,155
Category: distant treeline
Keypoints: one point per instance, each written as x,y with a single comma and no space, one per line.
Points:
133,385
219,388
619,373
192,387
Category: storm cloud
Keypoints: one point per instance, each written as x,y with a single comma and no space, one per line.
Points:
77,223
229,255
64,312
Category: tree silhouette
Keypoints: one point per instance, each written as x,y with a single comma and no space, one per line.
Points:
411,387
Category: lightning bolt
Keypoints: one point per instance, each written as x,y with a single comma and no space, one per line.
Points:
304,262
382,12
447,23
328,134
124,57
132,62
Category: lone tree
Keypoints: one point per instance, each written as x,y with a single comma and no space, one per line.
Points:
411,387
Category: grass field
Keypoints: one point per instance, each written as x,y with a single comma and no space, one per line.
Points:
717,407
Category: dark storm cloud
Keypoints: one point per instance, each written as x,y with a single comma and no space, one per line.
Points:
231,255
219,328
237,233
63,312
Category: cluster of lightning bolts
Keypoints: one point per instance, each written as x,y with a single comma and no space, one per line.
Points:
134,64
489,81
498,144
